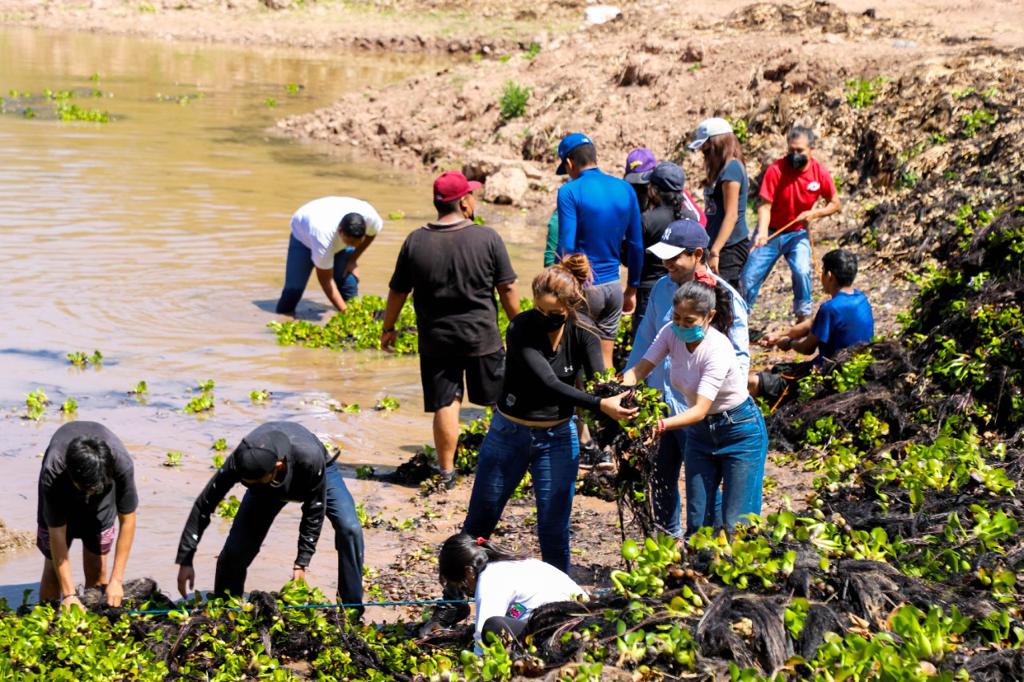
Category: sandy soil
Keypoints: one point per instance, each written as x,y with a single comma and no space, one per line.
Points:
14,540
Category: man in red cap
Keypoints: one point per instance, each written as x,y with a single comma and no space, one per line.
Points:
453,267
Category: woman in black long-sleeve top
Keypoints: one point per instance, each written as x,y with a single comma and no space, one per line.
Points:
534,425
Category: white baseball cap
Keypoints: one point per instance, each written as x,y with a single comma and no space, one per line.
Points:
707,129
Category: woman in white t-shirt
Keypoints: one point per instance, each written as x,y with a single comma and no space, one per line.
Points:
507,587
726,439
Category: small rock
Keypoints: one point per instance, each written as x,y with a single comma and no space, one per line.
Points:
694,52
601,14
507,186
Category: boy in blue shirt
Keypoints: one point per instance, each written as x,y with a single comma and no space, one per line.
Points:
843,321
597,215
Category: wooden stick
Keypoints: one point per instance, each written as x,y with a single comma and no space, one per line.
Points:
782,229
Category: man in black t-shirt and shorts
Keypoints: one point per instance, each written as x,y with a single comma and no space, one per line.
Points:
87,479
453,267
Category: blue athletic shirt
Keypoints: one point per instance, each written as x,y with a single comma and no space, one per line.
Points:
843,321
596,213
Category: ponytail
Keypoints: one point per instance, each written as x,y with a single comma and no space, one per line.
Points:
565,281
462,550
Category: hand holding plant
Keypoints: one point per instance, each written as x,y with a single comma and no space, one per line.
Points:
613,407
115,593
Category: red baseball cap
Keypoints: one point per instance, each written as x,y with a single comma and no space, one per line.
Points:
452,185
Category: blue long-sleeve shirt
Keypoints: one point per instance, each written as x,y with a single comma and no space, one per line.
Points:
658,314
596,213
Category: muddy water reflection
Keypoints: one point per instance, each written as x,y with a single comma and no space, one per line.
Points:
159,238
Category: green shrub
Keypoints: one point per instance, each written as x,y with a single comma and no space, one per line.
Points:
861,93
513,100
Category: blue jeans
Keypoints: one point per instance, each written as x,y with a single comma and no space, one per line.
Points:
665,483
796,247
727,449
252,523
553,457
299,266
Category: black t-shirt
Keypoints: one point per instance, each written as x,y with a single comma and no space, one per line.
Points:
62,504
540,383
305,471
452,272
654,221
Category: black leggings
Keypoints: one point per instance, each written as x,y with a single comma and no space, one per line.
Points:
500,625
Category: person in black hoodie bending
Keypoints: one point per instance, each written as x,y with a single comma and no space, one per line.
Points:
279,462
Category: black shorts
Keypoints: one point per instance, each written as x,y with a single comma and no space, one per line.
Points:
781,383
446,378
731,261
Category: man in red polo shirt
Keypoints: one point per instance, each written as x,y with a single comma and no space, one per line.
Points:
789,191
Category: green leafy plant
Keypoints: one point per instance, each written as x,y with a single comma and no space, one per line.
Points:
228,508
364,472
220,445
203,402
976,121
513,101
35,404
532,50
81,359
217,460
173,459
258,396
386,404
69,407
270,102
293,88
141,389
862,93
396,215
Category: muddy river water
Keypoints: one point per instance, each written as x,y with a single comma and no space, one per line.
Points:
159,239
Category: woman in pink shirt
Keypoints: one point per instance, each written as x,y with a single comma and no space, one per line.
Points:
726,440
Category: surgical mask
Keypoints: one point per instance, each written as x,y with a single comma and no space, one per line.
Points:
688,334
552,322
797,160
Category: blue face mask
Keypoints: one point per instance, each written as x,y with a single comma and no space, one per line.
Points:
688,334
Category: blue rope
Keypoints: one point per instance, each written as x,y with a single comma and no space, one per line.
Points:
420,602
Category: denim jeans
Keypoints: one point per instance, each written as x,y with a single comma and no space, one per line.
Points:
255,516
727,449
665,483
299,266
796,247
552,456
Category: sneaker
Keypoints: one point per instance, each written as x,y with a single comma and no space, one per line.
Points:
448,479
594,457
446,615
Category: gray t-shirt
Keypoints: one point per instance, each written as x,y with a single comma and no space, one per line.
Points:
61,503
714,200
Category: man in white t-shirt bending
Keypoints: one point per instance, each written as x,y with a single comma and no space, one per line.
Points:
328,235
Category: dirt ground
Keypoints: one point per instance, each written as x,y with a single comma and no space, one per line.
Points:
13,540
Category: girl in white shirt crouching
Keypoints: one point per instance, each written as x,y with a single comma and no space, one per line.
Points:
726,439
507,587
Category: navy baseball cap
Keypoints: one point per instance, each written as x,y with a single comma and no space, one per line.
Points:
667,176
568,143
257,455
679,236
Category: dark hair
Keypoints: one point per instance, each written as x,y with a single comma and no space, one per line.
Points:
583,155
462,550
446,207
707,298
842,264
802,131
90,464
565,281
353,225
674,200
720,149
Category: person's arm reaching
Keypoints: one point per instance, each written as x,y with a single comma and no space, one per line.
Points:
388,334
353,259
764,217
508,294
62,567
651,359
125,537
198,519
538,365
313,511
326,279
551,245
